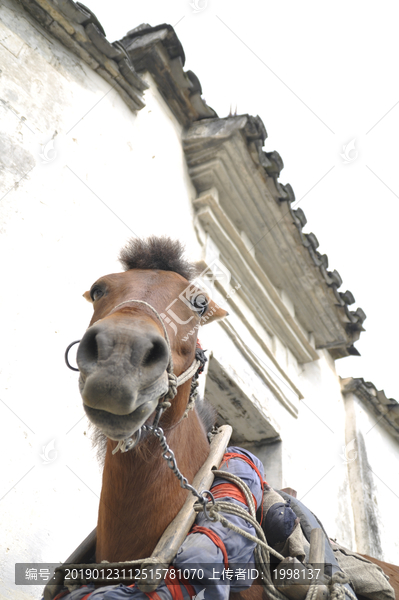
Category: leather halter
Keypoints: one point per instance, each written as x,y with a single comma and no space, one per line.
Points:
173,381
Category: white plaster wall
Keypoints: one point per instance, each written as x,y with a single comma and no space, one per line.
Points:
315,454
111,174
313,450
242,373
57,236
380,468
313,443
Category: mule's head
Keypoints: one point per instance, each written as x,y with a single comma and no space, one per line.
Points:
123,356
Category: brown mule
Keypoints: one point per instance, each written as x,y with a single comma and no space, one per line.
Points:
123,359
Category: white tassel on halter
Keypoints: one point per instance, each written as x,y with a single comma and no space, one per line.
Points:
128,443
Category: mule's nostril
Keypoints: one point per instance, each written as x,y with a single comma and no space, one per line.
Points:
122,354
92,349
88,351
154,354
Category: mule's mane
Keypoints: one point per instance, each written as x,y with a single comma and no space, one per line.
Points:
157,253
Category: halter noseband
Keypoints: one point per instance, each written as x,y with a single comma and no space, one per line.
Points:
173,381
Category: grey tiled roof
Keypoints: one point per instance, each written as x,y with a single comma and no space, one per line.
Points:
79,30
158,50
228,154
273,164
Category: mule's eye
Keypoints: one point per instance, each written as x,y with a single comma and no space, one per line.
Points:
200,304
96,293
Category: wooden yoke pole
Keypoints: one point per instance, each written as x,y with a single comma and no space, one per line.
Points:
175,534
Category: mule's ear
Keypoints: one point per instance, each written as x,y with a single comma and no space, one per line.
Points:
214,313
87,297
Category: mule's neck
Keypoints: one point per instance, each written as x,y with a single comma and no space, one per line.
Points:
140,495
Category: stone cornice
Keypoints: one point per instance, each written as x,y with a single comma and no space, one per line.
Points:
251,421
159,51
226,154
276,382
387,409
77,28
256,289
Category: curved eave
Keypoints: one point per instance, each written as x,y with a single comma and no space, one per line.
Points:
226,154
223,153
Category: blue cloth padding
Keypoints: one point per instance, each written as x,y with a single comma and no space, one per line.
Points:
279,523
119,592
199,551
244,471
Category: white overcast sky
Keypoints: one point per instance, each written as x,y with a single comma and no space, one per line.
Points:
319,74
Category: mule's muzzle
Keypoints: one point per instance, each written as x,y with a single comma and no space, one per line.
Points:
120,427
122,369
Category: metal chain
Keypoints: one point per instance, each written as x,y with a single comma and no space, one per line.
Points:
170,459
169,456
129,443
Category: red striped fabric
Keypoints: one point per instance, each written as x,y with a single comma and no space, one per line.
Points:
173,586
61,595
230,489
152,595
215,539
190,590
229,455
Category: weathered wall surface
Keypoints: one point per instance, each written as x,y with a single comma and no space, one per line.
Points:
111,173
373,465
319,442
81,173
303,441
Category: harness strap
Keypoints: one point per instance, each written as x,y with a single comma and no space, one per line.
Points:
174,587
215,539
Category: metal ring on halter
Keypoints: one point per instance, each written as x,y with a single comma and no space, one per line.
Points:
132,442
66,356
128,443
205,502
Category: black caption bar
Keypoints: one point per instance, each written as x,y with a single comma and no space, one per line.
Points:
209,574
